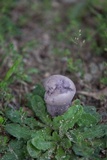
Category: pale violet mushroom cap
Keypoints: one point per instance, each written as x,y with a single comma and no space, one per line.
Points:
59,92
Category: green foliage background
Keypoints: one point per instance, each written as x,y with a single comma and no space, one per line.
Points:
76,134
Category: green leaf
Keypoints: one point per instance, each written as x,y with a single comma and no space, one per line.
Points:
66,143
39,109
18,116
33,152
47,155
87,119
2,120
68,119
41,144
42,139
39,90
3,140
16,144
61,154
98,144
9,73
92,110
83,150
14,115
89,149
87,142
3,143
32,123
18,131
45,133
56,137
12,69
88,133
10,156
95,131
16,150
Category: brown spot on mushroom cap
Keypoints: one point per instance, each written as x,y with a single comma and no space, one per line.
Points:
60,91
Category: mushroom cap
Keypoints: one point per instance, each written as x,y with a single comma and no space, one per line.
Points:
60,90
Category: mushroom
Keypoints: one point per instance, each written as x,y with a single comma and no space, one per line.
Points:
59,92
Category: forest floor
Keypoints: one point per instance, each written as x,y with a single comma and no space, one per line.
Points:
58,37
54,37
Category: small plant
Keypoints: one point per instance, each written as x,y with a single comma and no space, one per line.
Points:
5,93
77,134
